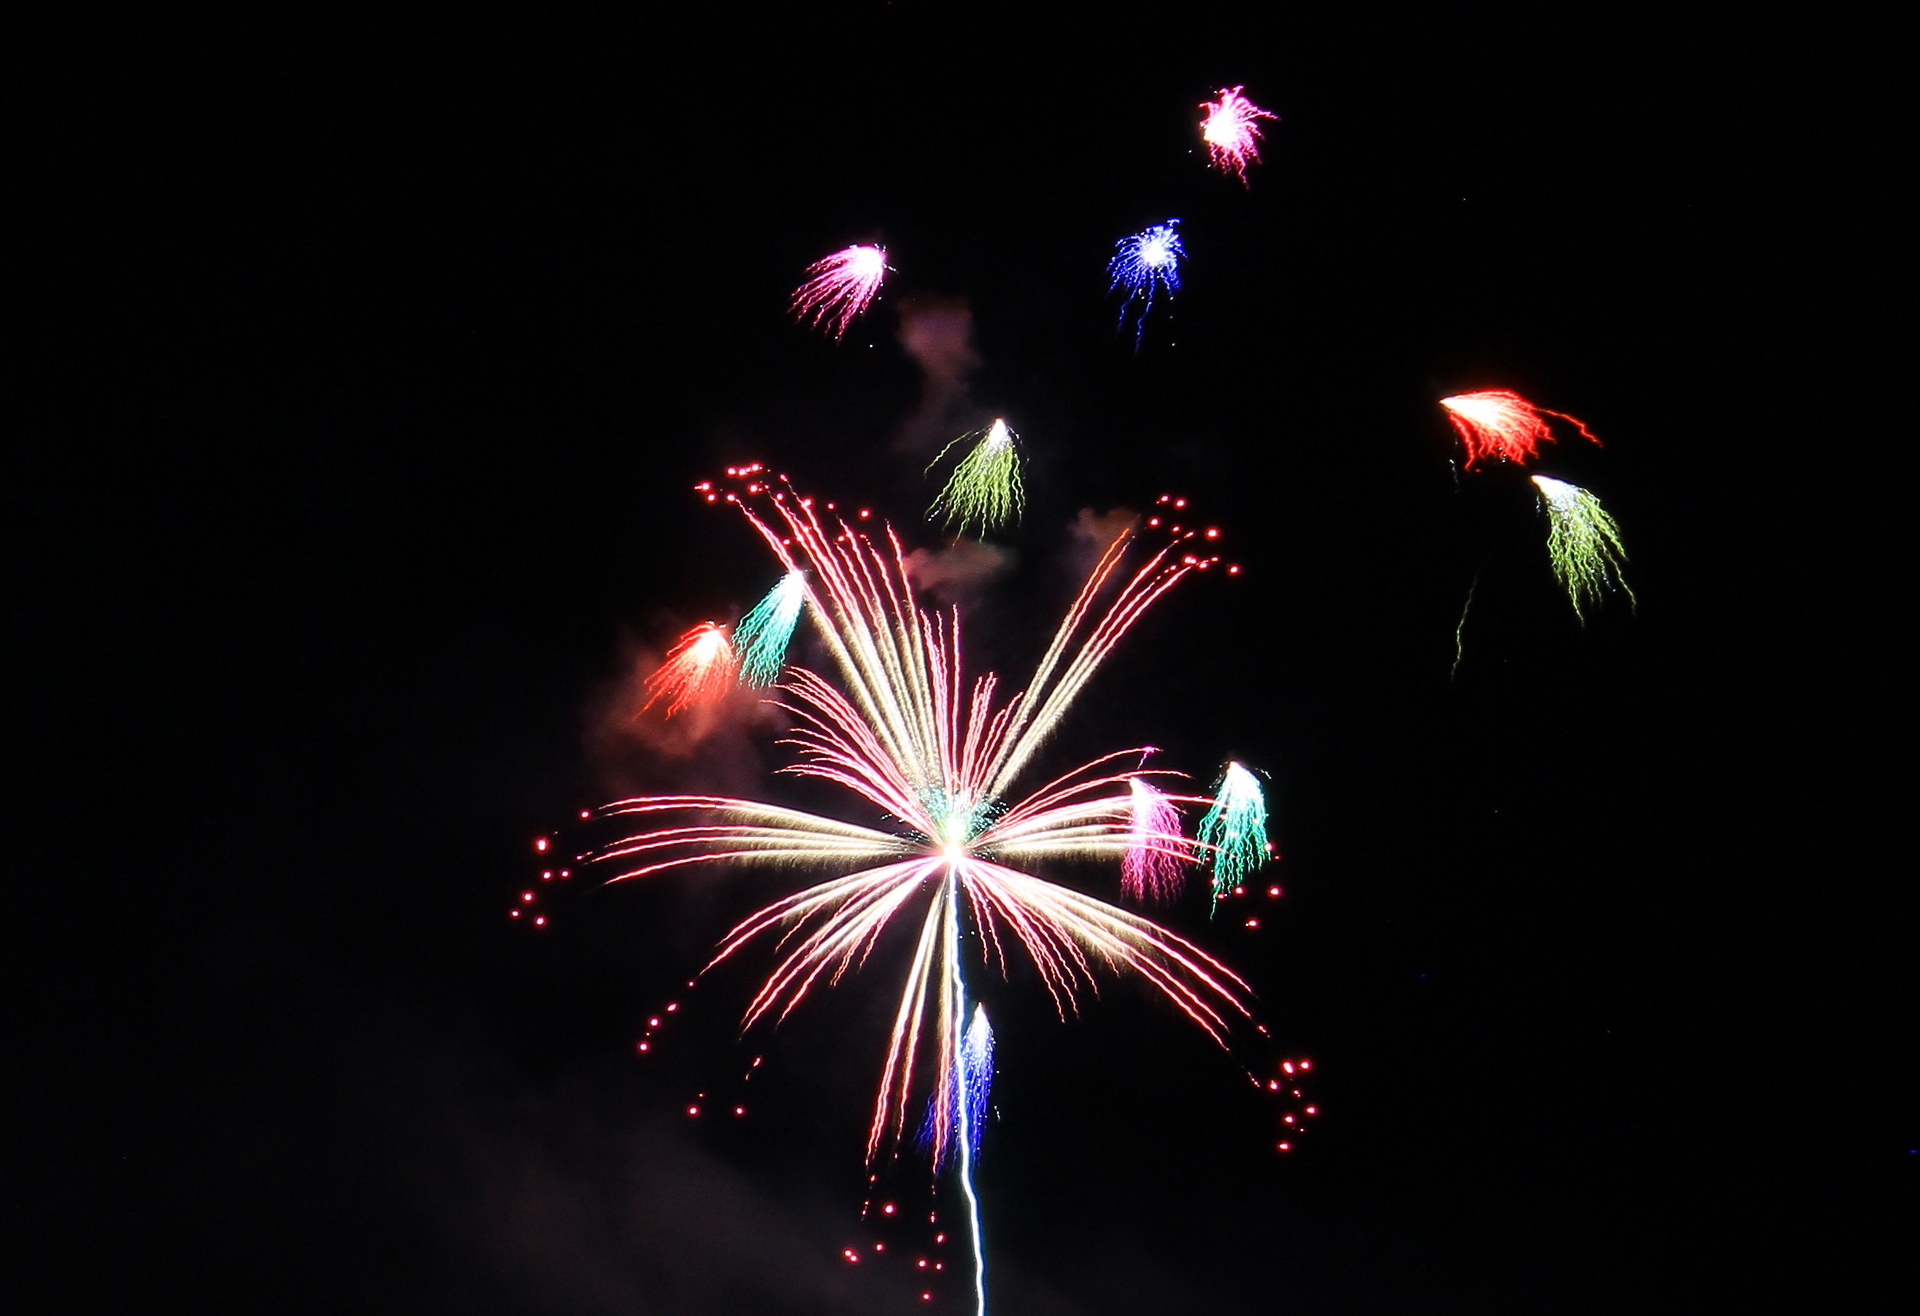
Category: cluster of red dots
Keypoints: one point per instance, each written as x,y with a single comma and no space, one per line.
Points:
1252,921
1162,520
926,1265
526,908
1285,1084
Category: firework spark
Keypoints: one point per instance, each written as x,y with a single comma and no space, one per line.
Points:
1583,542
761,637
1501,425
1231,131
985,488
699,669
1234,830
1146,262
839,288
1157,852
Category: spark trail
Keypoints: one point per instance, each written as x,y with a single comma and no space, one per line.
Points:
761,637
699,669
1231,131
985,487
1500,425
1583,543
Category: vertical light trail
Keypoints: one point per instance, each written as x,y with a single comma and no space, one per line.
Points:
957,998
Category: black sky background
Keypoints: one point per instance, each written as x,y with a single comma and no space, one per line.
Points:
369,370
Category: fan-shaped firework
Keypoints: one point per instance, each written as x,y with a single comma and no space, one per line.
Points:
1147,261
984,489
1151,870
699,669
1500,424
1583,542
841,286
761,637
1234,830
1231,131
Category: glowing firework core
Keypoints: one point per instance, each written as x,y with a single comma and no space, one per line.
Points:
1502,425
1231,131
841,287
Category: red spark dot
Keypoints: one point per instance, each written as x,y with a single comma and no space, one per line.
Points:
921,1263
693,1110
1286,1119
1273,892
1179,502
1306,1064
879,1247
514,912
672,1006
586,813
1213,532
1287,1065
939,1238
713,498
1273,1085
541,845
1313,1110
1286,1146
565,873
1153,520
1239,891
926,1297
887,1209
526,895
1233,570
643,1046
540,921
653,1023
739,1110
1253,922
939,1265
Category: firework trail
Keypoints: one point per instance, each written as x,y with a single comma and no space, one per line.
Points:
700,669
1231,131
985,488
1502,425
761,637
1151,870
909,735
1583,542
841,286
1234,830
1147,261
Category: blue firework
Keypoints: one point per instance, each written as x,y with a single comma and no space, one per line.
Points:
1142,264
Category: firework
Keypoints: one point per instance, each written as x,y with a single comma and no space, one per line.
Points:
1583,543
1157,852
839,288
1231,131
1234,830
1146,262
699,669
984,489
1502,425
761,637
938,755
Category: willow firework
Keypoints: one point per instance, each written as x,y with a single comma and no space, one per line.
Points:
984,489
1583,543
1499,424
839,287
1231,131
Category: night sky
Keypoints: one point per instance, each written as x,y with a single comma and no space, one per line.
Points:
368,371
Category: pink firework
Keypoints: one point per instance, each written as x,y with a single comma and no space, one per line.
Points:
1156,849
700,669
1502,425
840,288
1232,132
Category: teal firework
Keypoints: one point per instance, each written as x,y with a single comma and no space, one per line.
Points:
1234,831
761,637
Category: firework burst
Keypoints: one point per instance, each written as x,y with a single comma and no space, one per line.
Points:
839,287
1150,872
699,669
1501,425
1234,830
762,636
985,488
1231,131
1147,262
1583,543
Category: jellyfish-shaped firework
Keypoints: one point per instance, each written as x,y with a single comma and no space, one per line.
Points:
1156,849
1583,543
761,637
1231,131
839,288
1147,261
985,488
1235,830
699,669
1500,424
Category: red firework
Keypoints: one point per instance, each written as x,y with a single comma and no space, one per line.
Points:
1500,424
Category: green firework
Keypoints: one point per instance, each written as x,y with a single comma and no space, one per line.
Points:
1583,543
1235,830
984,489
761,637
